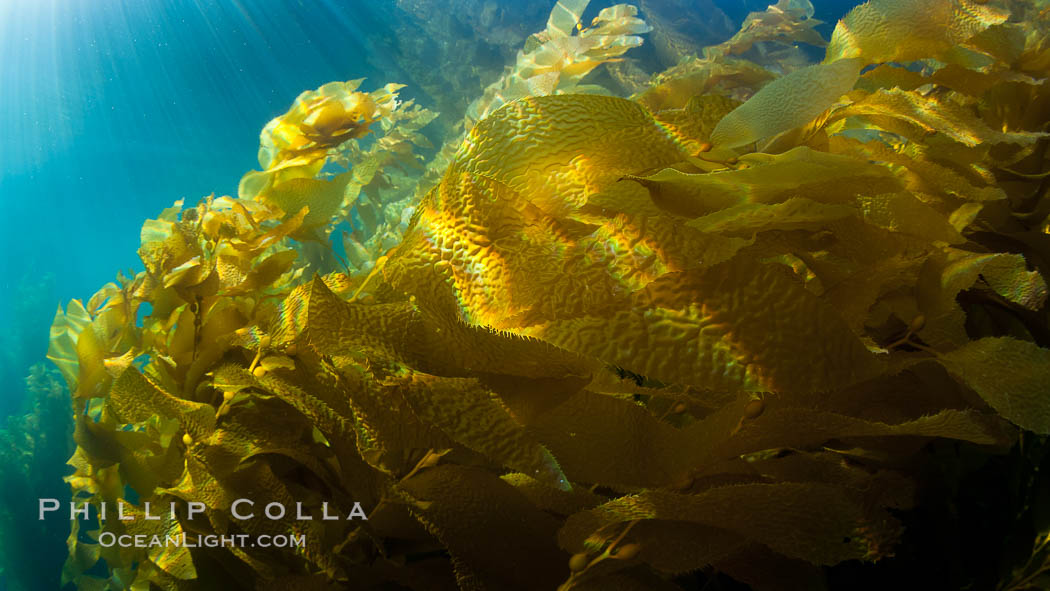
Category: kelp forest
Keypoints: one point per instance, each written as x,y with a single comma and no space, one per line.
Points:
773,318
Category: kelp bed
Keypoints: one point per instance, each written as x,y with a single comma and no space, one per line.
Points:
597,343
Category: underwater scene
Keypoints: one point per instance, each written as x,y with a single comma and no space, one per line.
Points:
481,295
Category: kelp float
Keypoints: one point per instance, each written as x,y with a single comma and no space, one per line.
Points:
618,341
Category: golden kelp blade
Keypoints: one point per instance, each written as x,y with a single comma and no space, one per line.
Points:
474,417
907,30
515,550
554,60
787,102
777,515
787,20
799,172
711,329
1010,375
578,144
923,115
564,17
65,330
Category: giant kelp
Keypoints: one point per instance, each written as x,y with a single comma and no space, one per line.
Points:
619,340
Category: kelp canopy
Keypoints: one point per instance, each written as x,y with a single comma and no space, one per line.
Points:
602,341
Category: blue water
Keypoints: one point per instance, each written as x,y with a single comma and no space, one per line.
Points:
111,110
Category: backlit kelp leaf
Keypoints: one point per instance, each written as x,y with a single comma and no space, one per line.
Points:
858,291
62,346
322,197
1008,276
927,114
557,58
711,328
497,262
787,102
577,144
82,556
322,119
1010,375
468,233
803,427
314,314
168,244
552,499
677,547
693,76
926,176
907,30
265,272
816,522
944,276
256,243
490,228
697,119
902,212
247,433
882,487
747,219
88,478
258,482
474,417
344,406
154,463
636,249
953,76
95,348
599,438
135,398
564,16
514,550
401,331
787,21
175,560
800,172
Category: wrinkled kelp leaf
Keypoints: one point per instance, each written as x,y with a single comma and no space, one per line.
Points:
135,398
65,330
906,30
1010,375
474,417
790,524
515,549
800,172
712,329
787,102
944,276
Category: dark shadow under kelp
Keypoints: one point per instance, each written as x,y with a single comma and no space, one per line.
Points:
763,323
